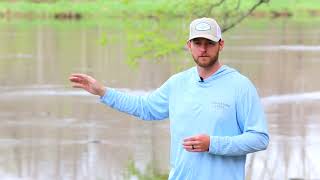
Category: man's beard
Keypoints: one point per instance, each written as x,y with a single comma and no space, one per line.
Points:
212,61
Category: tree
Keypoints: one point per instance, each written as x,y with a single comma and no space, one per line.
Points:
230,12
161,38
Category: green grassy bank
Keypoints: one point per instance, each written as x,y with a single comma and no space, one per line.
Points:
157,8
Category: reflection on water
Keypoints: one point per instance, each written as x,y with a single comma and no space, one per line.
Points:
55,91
51,131
290,98
303,48
66,91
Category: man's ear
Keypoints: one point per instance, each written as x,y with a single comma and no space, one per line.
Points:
188,45
221,44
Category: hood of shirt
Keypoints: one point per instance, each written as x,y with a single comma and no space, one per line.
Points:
221,72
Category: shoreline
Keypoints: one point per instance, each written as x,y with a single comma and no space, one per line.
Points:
157,10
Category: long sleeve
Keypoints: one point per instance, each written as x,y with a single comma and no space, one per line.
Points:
252,123
154,106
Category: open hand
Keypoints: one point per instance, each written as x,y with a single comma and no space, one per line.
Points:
87,83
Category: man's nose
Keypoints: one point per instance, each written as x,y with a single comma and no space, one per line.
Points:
203,47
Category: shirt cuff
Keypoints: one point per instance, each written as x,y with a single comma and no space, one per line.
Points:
214,145
108,96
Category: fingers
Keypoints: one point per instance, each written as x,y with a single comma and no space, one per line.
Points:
78,85
87,83
75,79
79,75
197,143
195,148
78,80
193,138
189,143
83,76
192,148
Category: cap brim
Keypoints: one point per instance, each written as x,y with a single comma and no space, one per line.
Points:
206,36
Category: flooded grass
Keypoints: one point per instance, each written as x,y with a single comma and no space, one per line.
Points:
150,172
151,9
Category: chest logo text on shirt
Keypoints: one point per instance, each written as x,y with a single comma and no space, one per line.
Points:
220,106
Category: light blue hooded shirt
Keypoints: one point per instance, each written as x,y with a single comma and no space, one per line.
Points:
224,106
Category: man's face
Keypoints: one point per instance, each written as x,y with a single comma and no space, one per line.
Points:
205,52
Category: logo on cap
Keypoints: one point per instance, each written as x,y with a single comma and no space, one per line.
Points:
203,26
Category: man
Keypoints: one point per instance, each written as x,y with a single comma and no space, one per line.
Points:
215,113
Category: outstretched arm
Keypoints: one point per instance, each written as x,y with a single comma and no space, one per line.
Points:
87,83
150,107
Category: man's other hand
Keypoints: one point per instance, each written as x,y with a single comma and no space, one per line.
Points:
197,143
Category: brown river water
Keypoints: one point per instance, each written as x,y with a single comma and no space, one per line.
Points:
50,131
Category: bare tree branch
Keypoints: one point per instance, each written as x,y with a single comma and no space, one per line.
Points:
238,5
213,6
244,16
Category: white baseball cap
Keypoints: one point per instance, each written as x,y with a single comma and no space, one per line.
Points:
205,28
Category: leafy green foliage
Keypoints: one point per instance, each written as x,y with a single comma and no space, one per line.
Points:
158,28
149,174
149,39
